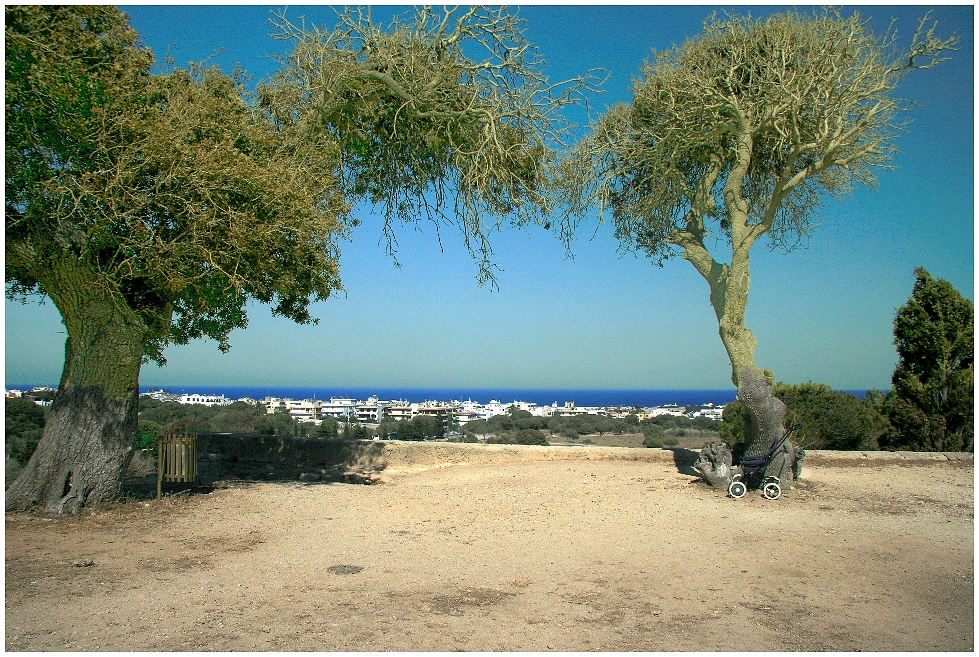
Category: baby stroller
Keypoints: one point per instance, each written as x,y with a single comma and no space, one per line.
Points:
753,472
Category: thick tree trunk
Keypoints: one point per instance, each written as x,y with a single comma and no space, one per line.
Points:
765,424
88,437
764,421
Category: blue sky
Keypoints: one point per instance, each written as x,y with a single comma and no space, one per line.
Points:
600,320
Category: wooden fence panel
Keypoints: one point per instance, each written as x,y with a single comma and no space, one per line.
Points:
176,459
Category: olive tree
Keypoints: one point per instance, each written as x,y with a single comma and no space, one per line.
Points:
149,209
737,135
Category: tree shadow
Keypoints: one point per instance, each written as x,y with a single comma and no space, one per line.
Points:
144,488
684,459
237,460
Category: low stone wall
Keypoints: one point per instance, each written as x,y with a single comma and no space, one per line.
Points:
224,456
817,457
227,456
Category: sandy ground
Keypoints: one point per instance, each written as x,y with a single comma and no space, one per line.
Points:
533,556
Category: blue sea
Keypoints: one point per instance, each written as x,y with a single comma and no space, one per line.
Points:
540,396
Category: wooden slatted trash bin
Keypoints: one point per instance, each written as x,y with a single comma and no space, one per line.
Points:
176,459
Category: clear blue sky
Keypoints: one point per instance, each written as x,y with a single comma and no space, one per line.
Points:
600,321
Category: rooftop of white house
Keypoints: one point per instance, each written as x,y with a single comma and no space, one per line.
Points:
374,409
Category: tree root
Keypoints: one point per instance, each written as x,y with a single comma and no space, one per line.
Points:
714,465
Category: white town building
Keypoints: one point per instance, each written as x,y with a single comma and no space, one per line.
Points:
204,400
669,409
341,407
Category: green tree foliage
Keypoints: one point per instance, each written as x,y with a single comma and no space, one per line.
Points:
328,429
830,419
527,420
158,417
169,191
738,135
23,423
573,426
173,416
238,417
420,427
148,434
275,424
519,437
931,406
355,431
499,423
445,114
478,426
150,209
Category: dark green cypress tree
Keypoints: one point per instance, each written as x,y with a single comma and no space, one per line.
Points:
931,406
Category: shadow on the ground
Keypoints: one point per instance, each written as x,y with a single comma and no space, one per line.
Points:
240,460
684,459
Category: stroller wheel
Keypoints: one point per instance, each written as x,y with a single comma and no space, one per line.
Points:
771,491
737,489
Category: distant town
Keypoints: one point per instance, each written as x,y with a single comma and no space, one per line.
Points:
373,410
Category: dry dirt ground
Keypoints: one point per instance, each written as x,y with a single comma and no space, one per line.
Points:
533,556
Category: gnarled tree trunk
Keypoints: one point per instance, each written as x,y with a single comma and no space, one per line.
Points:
87,440
765,424
764,421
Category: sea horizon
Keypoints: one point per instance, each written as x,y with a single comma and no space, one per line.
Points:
601,397
541,396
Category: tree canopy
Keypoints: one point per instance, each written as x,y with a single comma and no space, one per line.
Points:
171,192
742,131
445,115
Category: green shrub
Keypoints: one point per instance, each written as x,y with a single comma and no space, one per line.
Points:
23,425
586,424
731,430
148,434
519,437
653,441
653,431
830,419
531,437
23,445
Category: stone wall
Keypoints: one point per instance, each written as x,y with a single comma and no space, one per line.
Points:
231,456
